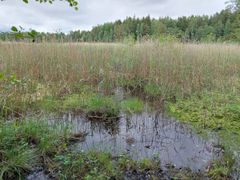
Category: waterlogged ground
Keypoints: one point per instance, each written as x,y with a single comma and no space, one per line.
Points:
139,136
133,137
144,135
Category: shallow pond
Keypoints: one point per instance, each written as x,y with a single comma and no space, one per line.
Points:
145,135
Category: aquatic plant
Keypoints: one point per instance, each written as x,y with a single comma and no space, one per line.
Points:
218,113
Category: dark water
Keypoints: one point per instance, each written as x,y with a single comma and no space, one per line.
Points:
39,175
145,135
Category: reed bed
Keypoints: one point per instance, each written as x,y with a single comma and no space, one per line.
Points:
177,69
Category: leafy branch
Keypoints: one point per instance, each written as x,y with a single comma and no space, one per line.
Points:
19,34
72,3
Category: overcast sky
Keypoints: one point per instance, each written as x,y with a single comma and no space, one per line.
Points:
60,17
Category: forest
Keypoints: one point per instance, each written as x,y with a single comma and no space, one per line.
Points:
220,27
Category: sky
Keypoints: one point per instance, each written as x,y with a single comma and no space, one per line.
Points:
60,17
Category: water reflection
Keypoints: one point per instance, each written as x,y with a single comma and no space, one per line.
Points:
145,135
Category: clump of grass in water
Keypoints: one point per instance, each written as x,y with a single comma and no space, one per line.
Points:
102,107
25,143
132,105
92,104
86,102
221,169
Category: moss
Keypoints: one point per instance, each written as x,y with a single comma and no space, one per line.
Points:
213,112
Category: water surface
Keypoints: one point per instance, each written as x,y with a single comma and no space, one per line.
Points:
145,135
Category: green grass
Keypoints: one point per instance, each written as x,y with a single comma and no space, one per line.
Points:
153,90
132,105
24,144
99,165
87,102
48,104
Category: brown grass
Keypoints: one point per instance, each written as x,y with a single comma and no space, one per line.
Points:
180,69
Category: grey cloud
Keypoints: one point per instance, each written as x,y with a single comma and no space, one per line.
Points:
45,17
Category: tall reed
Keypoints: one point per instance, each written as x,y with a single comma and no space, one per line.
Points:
179,69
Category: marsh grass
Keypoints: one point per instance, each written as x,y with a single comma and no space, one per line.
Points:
132,105
90,103
158,70
100,165
179,69
25,144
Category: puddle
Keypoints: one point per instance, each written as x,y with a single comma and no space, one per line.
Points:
145,135
38,176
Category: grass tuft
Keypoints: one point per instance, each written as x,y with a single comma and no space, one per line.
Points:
132,105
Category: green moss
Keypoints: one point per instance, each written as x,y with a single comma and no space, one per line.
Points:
214,112
132,105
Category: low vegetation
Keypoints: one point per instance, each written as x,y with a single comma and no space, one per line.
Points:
132,105
214,112
28,144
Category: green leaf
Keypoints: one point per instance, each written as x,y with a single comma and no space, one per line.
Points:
26,1
14,29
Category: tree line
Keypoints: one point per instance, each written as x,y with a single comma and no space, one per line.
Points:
223,26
